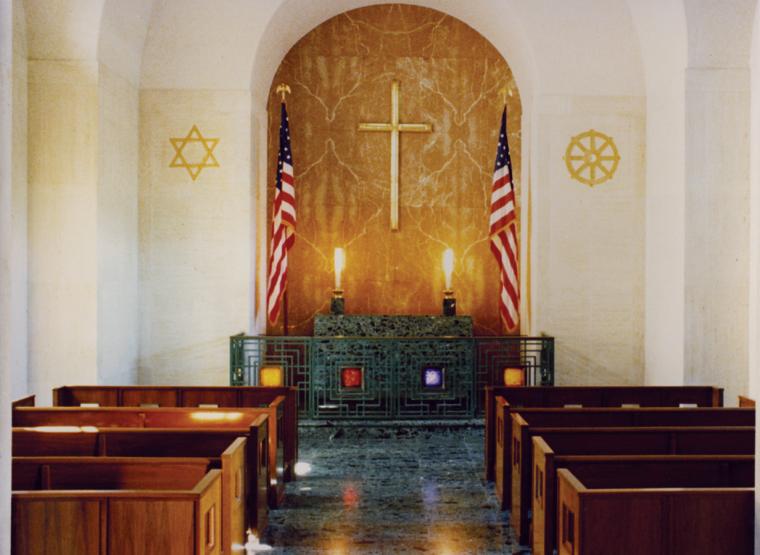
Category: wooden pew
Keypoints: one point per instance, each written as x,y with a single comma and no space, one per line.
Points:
536,486
27,401
240,420
594,396
599,417
114,507
746,401
192,396
244,472
656,507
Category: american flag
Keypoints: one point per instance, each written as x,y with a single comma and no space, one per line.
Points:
503,232
283,222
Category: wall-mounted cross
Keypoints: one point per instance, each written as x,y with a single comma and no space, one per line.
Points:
395,128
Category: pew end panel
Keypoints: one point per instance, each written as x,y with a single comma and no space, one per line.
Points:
746,401
503,453
257,486
520,478
234,519
654,521
28,401
542,498
277,462
262,397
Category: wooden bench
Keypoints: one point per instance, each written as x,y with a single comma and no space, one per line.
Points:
746,401
240,420
599,417
595,396
27,401
537,482
114,507
242,461
193,396
656,507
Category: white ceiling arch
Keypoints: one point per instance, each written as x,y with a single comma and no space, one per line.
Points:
553,47
279,37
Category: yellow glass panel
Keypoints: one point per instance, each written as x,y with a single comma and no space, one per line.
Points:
514,377
270,376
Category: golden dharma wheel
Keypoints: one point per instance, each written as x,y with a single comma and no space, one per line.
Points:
592,157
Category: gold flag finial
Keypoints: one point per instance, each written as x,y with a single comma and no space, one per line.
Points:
282,89
505,92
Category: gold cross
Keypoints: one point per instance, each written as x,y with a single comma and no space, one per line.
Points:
394,127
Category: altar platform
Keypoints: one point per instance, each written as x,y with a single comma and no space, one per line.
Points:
390,367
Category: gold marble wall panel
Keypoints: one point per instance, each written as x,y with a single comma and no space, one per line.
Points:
341,74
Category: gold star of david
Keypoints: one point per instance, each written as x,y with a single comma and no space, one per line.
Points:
207,160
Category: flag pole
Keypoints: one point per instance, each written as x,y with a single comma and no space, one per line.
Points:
285,312
282,90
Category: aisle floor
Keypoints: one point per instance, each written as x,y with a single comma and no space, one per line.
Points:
386,490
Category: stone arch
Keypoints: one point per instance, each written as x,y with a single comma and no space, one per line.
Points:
340,73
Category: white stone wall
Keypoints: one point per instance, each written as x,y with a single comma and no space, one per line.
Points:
754,250
717,194
6,290
589,243
717,228
117,236
195,246
661,29
18,323
63,270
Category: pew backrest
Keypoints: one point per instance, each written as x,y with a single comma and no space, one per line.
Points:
199,397
658,521
624,471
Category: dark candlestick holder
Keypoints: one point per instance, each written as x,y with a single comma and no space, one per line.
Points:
449,303
338,303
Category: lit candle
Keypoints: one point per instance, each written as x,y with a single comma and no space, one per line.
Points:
340,264
448,266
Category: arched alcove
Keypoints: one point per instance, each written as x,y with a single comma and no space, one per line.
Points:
340,74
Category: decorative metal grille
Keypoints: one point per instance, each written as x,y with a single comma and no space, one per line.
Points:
392,383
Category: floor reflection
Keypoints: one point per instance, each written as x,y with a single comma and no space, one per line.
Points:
376,490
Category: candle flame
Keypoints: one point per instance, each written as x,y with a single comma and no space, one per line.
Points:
340,264
448,266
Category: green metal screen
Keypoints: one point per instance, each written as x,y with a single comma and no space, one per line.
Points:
392,368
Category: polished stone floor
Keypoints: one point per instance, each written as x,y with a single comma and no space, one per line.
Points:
391,490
